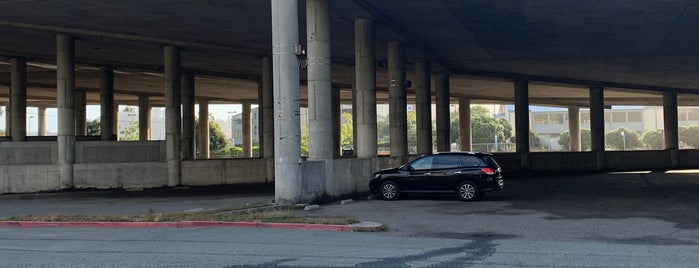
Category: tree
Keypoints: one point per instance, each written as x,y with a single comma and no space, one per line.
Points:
217,140
130,132
689,135
653,139
631,140
93,127
585,140
304,140
534,140
347,131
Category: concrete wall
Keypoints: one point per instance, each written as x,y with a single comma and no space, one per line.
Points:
224,171
637,160
28,178
28,153
689,158
119,152
120,175
563,161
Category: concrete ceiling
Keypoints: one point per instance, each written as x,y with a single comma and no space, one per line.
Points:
561,46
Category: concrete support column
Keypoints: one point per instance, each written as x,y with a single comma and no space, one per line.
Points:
143,118
365,60
320,136
204,142
289,184
522,122
337,123
267,116
247,130
423,106
397,101
65,74
107,107
671,123
8,120
574,128
597,125
354,110
41,124
173,117
441,85
80,113
18,99
188,146
116,121
465,124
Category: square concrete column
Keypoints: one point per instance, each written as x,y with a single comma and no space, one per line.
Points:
143,118
365,60
441,84
288,183
41,124
188,146
337,123
465,124
204,142
115,121
266,116
65,74
597,125
80,113
18,99
320,135
574,128
522,122
671,128
173,116
107,107
423,106
397,100
247,130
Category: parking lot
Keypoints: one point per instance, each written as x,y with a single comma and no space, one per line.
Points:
652,208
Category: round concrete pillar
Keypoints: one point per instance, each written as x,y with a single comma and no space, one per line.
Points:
365,66
397,100
173,120
423,106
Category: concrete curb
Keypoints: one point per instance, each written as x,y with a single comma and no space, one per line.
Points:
363,226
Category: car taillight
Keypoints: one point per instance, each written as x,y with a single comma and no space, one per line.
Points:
488,171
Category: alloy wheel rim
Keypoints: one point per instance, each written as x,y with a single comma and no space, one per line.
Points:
467,191
389,191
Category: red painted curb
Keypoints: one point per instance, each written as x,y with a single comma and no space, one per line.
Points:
183,224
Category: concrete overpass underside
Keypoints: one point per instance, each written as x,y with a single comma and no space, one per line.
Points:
578,54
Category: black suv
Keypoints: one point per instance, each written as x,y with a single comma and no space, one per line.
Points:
467,174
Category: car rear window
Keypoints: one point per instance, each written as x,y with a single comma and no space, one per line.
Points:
491,161
472,161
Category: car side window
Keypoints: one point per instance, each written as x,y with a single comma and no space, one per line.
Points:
447,161
472,161
423,163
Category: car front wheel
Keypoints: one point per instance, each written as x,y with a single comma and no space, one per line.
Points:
389,190
467,191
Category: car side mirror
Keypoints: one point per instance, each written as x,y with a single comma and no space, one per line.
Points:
411,168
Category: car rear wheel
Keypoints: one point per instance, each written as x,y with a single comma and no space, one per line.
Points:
389,190
467,191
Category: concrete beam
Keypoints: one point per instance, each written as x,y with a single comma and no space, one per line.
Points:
574,129
188,146
522,122
204,142
671,127
465,124
247,130
143,118
80,113
597,125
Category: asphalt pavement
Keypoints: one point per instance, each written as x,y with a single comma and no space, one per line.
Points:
643,219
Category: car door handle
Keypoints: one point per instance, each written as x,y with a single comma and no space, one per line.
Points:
428,173
457,172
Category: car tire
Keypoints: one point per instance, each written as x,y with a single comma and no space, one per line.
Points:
468,191
389,190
